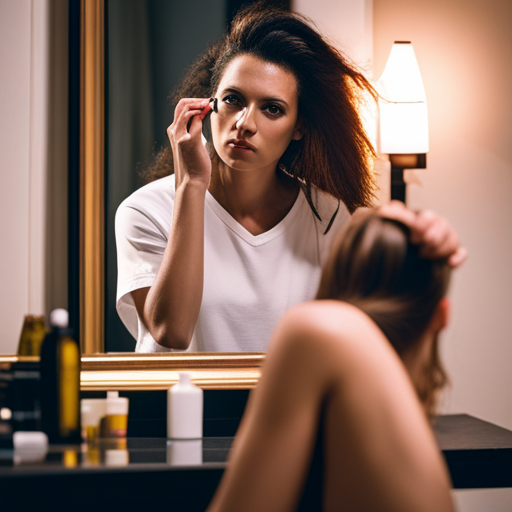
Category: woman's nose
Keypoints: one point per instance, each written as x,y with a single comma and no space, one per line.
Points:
245,120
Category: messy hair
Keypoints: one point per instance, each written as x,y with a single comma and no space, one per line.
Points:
335,153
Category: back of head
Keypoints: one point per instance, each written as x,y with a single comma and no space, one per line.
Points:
374,266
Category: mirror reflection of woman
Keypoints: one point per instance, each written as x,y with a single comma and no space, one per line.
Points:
365,358
235,232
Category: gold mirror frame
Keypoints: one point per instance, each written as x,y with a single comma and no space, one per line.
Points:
124,371
148,372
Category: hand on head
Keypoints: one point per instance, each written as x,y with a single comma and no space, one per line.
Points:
432,232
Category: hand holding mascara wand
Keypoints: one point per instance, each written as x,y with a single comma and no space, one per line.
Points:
211,107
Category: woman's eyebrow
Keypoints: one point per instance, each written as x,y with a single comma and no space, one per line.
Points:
275,100
267,99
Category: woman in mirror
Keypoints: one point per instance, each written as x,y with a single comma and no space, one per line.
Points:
236,231
365,357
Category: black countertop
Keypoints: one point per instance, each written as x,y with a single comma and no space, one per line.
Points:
182,475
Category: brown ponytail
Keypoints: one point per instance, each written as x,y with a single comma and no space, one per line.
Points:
374,267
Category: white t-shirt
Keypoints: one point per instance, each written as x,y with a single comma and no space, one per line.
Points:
249,281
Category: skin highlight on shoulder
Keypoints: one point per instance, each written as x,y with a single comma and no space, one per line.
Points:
331,320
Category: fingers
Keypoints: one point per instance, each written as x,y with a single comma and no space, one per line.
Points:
186,110
433,233
206,110
459,257
397,210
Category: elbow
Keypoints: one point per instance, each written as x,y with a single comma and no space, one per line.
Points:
168,338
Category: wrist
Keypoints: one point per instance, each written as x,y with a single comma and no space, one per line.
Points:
193,184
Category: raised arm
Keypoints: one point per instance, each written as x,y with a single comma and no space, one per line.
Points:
170,307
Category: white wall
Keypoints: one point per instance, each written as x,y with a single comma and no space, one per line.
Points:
33,146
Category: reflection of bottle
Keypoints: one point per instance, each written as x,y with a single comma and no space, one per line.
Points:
60,382
184,452
32,335
117,457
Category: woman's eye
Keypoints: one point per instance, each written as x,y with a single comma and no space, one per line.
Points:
231,99
273,110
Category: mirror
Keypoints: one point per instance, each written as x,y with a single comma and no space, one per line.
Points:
103,139
148,47
122,371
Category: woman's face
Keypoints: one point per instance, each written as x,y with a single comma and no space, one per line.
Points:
257,114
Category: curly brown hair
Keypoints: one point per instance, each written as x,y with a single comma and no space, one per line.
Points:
335,154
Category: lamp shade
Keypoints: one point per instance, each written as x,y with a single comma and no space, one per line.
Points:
403,107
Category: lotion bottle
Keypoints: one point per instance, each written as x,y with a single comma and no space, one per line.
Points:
60,382
116,409
185,409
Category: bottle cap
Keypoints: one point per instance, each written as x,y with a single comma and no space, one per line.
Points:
59,318
185,378
116,404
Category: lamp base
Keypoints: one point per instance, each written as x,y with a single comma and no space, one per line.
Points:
397,184
398,164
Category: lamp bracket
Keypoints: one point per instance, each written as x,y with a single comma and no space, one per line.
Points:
409,161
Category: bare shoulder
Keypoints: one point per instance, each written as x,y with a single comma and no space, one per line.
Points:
335,327
329,318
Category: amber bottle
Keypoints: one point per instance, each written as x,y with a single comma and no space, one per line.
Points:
60,382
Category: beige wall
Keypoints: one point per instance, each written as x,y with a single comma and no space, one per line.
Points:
348,23
15,49
33,167
464,48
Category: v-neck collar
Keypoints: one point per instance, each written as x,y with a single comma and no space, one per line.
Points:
263,238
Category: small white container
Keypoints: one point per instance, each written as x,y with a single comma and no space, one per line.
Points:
185,409
29,447
92,411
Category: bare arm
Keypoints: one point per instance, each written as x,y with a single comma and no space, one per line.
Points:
377,437
170,307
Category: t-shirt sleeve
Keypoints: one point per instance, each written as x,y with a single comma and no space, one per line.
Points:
140,246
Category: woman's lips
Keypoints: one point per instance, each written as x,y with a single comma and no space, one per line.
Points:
241,144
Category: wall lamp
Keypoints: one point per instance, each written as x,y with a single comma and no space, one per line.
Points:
403,115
